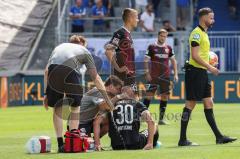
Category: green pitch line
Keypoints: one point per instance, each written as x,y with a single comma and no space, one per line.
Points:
18,124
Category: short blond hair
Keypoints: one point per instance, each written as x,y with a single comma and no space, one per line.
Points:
127,12
77,39
162,31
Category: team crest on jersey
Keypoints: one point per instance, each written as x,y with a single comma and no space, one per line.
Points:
167,50
115,41
196,36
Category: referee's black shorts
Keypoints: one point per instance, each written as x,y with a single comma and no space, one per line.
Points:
197,83
63,80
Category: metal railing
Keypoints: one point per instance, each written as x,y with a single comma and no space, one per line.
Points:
227,43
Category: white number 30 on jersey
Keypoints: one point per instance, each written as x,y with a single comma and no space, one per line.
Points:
125,114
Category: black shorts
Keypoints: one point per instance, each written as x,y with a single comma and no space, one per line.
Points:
86,128
197,83
163,83
143,137
63,80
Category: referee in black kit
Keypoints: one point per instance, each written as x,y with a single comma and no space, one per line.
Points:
198,87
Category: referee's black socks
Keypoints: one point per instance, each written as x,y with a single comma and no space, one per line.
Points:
146,102
184,123
211,121
162,109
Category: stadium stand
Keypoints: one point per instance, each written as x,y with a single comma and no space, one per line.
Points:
223,19
223,38
23,23
34,55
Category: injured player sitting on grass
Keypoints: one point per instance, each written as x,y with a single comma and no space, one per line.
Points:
124,124
94,108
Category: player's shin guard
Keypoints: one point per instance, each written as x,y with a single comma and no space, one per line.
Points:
162,109
211,121
184,123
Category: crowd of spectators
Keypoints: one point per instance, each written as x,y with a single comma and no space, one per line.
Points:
148,10
96,9
233,9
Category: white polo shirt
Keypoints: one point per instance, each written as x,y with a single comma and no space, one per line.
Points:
148,20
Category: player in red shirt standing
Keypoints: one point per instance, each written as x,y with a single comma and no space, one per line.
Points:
120,51
158,74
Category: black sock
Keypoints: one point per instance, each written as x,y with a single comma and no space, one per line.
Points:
184,123
146,102
60,141
155,138
162,109
211,121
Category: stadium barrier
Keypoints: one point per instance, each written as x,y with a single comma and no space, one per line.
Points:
27,89
3,92
226,44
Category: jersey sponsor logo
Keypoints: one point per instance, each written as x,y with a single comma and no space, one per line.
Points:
162,56
196,36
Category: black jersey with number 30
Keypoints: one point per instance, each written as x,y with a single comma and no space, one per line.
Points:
126,117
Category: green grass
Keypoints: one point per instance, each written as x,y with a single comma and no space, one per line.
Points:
18,124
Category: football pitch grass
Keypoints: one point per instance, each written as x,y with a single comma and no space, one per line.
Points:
18,124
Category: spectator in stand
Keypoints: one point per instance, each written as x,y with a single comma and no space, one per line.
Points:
77,12
109,5
99,12
232,5
147,19
85,3
195,10
182,14
110,12
155,7
140,5
168,26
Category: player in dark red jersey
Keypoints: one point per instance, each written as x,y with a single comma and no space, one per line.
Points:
159,54
124,124
120,51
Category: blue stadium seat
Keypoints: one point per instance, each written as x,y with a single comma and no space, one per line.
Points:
223,21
